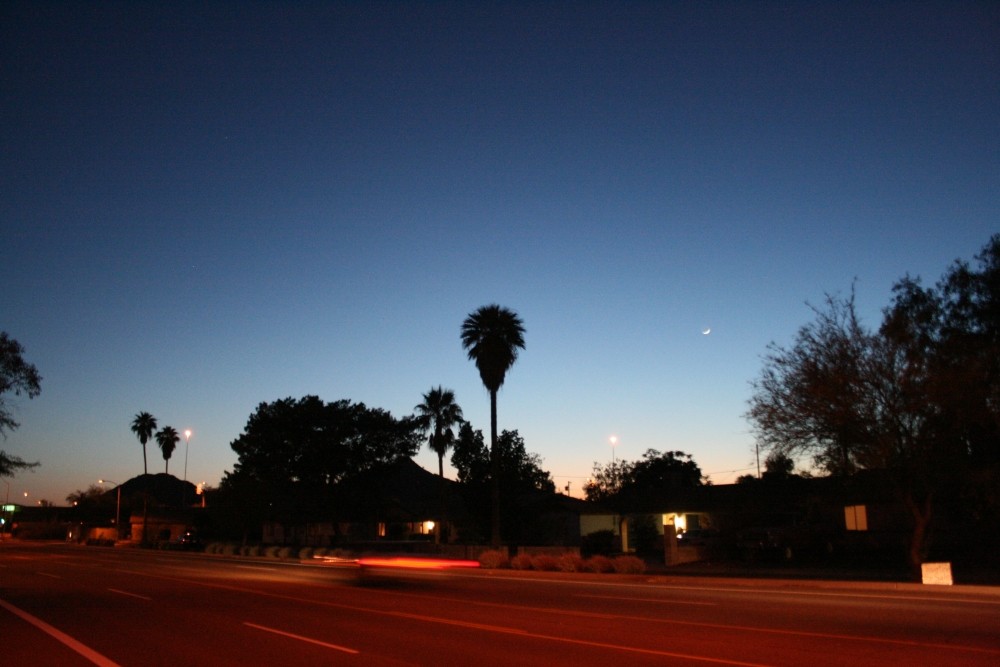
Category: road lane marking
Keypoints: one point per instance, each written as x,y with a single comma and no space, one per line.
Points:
617,597
46,574
134,595
500,629
744,628
255,567
83,650
301,638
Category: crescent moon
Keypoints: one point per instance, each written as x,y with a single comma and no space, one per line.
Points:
706,331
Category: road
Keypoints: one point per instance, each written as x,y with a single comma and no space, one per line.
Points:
69,605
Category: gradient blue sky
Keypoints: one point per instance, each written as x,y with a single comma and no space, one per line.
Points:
206,207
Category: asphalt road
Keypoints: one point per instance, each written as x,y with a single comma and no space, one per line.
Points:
68,605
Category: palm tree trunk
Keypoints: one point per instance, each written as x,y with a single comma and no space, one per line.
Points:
145,470
494,470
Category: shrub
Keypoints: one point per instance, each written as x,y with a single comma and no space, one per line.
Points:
545,563
521,562
271,552
305,553
600,564
629,565
570,563
284,552
494,560
229,550
601,542
254,551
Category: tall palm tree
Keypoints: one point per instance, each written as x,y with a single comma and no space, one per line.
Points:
492,336
144,426
167,438
439,413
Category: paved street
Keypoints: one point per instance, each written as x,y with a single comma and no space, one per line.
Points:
69,605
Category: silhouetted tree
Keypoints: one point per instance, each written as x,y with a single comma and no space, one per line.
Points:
644,485
167,439
520,473
18,377
492,337
439,413
916,399
144,426
294,451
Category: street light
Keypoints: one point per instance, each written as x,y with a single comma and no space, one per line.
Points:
118,508
614,441
187,441
6,502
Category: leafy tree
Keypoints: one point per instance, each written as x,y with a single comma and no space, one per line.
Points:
518,467
167,439
144,426
19,377
492,337
646,484
778,465
916,399
293,452
526,485
439,413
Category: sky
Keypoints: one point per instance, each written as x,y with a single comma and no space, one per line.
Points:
206,206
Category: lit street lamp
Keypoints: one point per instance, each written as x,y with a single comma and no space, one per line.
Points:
118,508
614,441
187,441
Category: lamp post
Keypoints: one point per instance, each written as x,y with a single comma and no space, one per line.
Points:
187,441
614,441
118,507
6,502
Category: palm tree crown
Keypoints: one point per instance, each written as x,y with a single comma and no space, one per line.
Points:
144,425
167,438
438,413
492,336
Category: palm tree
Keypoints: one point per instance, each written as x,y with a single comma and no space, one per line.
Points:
144,425
492,336
167,438
438,413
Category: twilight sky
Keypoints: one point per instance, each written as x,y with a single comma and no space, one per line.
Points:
207,207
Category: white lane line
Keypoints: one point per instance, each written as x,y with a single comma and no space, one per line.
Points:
663,601
85,651
254,567
134,595
46,574
301,638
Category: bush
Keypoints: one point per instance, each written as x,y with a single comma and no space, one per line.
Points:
284,553
271,552
230,550
601,542
494,560
305,553
521,562
545,563
629,565
254,551
570,563
600,564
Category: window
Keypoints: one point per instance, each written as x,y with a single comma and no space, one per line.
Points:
856,517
